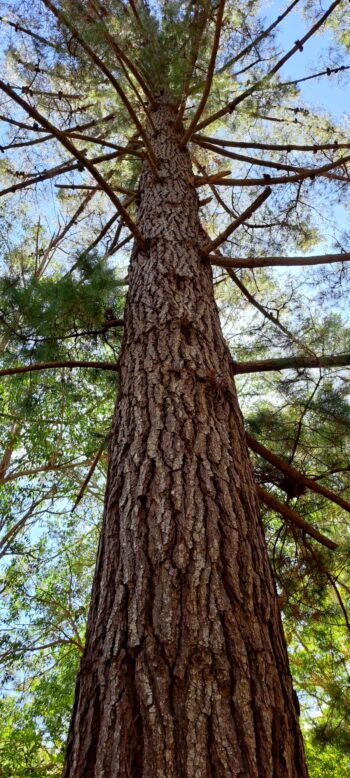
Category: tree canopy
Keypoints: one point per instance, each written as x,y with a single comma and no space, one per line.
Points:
77,82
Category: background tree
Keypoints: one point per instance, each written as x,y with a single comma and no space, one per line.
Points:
78,110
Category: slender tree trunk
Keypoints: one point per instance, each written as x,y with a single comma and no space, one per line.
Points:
185,672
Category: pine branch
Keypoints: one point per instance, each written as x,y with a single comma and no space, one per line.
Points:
271,146
60,363
25,143
210,179
258,39
253,262
135,12
332,582
123,58
240,220
291,363
27,90
107,325
298,46
65,141
38,38
266,313
195,43
101,142
89,475
311,173
14,530
327,72
270,163
296,475
69,131
292,516
16,651
114,249
57,239
84,187
58,171
43,469
101,65
99,237
219,199
203,101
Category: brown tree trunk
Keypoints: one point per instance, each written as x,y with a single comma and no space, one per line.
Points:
185,672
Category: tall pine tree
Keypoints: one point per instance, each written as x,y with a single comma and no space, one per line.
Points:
184,670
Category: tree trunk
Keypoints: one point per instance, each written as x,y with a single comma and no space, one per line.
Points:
185,672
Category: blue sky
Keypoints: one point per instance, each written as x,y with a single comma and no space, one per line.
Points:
324,92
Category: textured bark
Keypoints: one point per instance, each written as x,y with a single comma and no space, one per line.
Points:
185,672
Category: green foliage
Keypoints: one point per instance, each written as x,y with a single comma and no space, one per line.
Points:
41,313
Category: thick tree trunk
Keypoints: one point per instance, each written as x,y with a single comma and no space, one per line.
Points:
185,672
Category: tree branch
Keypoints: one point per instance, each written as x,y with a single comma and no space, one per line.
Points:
271,146
266,313
312,173
275,165
259,38
65,141
203,101
291,363
59,363
89,475
296,475
318,259
240,220
101,65
292,516
230,107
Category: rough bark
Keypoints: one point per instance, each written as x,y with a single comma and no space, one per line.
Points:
185,672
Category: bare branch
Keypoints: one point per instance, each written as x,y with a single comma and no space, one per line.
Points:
291,363
271,146
240,220
38,38
253,262
327,72
58,171
312,173
84,187
60,363
211,179
259,38
43,469
203,101
275,165
89,475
